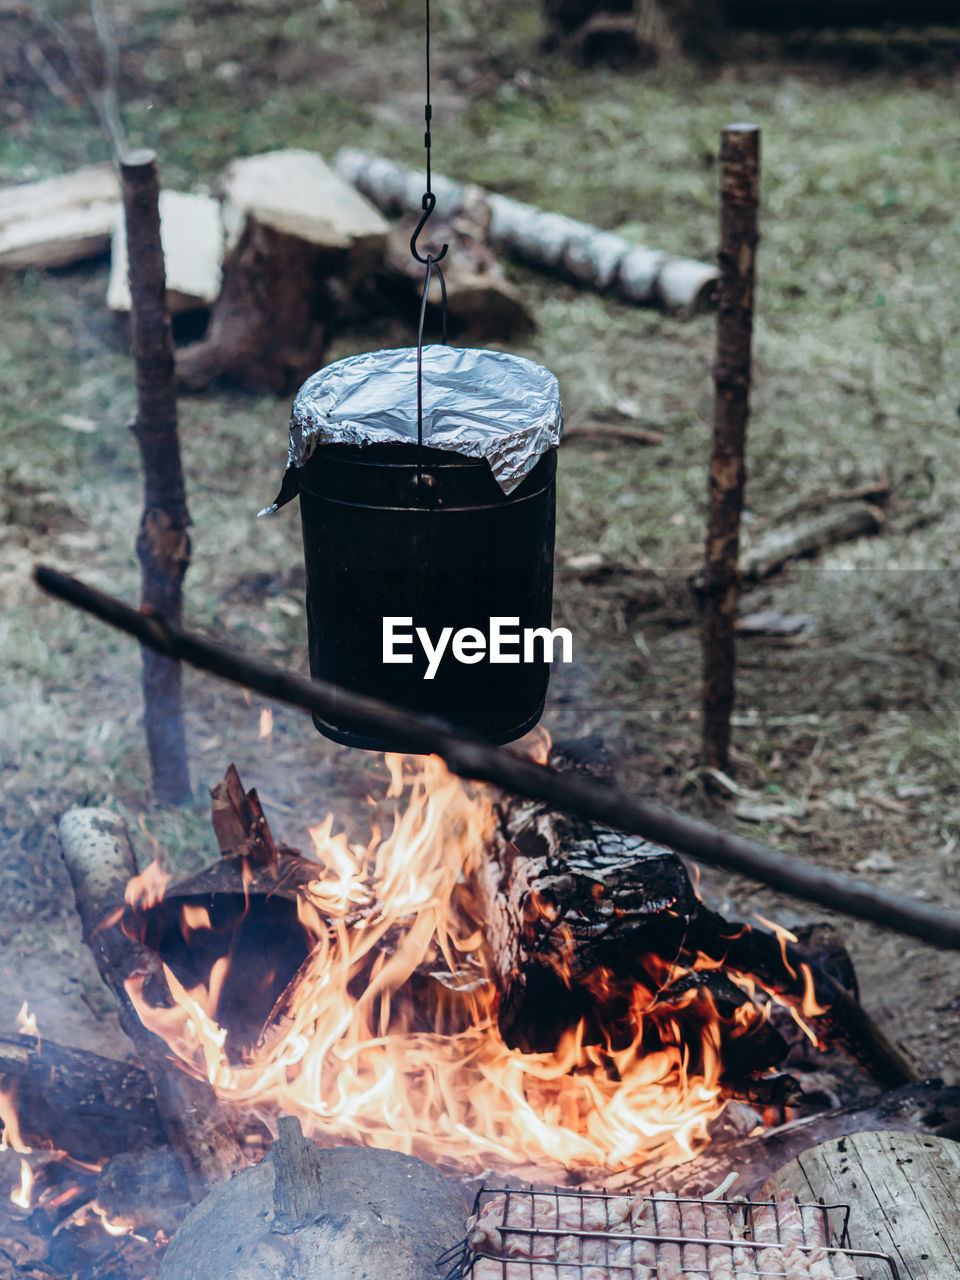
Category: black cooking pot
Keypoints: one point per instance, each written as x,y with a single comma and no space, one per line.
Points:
443,546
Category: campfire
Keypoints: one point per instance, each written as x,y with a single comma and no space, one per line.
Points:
486,984
393,1030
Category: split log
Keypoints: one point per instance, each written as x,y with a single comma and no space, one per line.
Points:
596,259
299,240
100,862
903,1191
282,186
89,1106
191,231
268,329
163,541
779,546
481,301
60,220
473,758
739,192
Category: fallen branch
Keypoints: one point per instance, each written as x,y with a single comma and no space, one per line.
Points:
874,491
596,259
473,758
613,431
792,542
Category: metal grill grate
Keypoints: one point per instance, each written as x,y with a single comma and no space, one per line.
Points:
592,1235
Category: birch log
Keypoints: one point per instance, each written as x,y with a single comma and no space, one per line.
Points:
596,259
100,861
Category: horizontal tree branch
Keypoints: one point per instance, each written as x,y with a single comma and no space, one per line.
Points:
473,758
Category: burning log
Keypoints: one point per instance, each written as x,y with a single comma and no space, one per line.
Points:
101,865
570,908
82,1103
476,759
561,898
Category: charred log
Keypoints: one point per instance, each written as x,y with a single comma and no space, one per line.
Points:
82,1103
145,1188
573,911
564,898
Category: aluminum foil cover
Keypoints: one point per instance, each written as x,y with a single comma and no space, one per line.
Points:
483,404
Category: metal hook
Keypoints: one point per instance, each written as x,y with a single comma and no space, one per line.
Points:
428,205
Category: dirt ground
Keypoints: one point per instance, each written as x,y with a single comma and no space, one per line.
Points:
847,734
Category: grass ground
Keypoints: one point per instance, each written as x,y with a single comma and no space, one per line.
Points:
852,730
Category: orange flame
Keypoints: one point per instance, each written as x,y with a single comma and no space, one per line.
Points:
27,1022
266,723
147,889
118,1228
22,1196
362,1053
12,1139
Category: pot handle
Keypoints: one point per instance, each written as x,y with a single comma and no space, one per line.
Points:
433,264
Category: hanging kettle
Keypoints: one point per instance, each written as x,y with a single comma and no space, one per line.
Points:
429,566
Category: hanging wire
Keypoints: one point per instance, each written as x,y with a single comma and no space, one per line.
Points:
431,261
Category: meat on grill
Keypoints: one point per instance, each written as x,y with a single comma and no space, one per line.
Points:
543,1236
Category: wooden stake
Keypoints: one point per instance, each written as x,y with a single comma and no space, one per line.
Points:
739,183
163,544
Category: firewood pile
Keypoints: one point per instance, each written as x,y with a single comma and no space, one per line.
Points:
574,917
288,250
